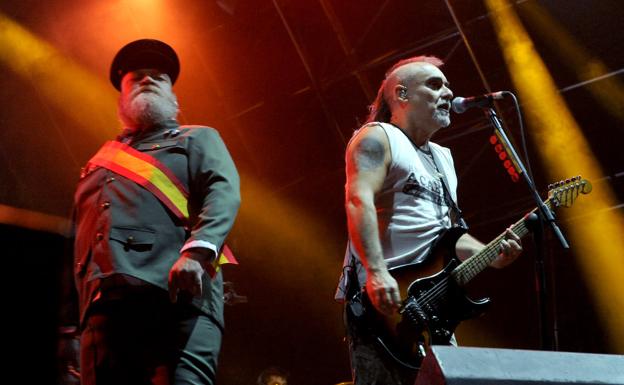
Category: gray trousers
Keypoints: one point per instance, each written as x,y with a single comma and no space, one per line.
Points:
146,340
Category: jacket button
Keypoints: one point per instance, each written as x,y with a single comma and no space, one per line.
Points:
106,205
110,179
99,236
155,146
130,239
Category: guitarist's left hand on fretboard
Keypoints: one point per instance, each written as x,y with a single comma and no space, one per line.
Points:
511,248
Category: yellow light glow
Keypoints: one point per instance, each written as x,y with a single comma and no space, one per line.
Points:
283,228
565,152
34,220
610,92
85,98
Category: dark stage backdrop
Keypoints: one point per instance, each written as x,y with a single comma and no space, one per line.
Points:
31,283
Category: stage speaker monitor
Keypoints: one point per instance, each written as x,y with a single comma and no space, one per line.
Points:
447,365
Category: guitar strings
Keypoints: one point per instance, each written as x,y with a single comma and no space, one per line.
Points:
432,296
474,265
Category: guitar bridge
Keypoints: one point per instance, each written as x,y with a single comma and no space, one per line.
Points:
414,314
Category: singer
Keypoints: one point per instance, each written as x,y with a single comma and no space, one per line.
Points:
400,196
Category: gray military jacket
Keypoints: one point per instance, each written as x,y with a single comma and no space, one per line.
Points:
122,229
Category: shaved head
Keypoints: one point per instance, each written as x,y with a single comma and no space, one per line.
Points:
416,59
400,73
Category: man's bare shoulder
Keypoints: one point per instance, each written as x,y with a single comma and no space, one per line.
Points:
369,147
369,133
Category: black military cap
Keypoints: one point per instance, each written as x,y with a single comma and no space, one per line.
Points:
144,53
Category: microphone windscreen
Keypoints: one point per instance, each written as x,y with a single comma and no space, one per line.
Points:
458,106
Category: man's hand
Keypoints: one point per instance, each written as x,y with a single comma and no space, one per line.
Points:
511,248
186,275
383,291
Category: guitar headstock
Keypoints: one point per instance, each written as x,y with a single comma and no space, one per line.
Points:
563,193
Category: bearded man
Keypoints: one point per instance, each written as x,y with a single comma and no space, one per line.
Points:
152,211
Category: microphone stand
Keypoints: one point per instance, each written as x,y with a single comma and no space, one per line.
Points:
545,216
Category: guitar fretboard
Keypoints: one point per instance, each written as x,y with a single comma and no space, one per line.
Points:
472,266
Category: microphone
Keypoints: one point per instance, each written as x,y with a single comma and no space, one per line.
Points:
460,105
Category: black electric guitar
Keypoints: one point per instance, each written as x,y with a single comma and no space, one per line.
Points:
434,302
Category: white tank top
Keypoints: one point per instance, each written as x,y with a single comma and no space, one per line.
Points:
411,206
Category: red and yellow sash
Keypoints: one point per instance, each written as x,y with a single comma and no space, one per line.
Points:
147,171
225,257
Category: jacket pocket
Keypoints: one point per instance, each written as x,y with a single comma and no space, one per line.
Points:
163,144
133,238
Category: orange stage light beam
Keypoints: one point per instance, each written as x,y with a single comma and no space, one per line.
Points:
283,228
610,91
565,152
34,220
63,83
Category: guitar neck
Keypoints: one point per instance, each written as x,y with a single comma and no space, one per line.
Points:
472,266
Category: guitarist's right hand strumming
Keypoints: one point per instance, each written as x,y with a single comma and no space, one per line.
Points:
383,291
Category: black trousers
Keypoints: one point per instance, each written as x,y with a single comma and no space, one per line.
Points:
145,339
370,365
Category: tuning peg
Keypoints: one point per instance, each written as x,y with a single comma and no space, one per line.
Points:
556,201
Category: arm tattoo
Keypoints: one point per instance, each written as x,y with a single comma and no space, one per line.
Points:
369,154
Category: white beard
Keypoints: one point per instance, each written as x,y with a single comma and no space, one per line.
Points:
442,119
147,109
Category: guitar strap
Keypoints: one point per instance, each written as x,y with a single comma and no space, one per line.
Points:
354,270
354,288
459,219
456,213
